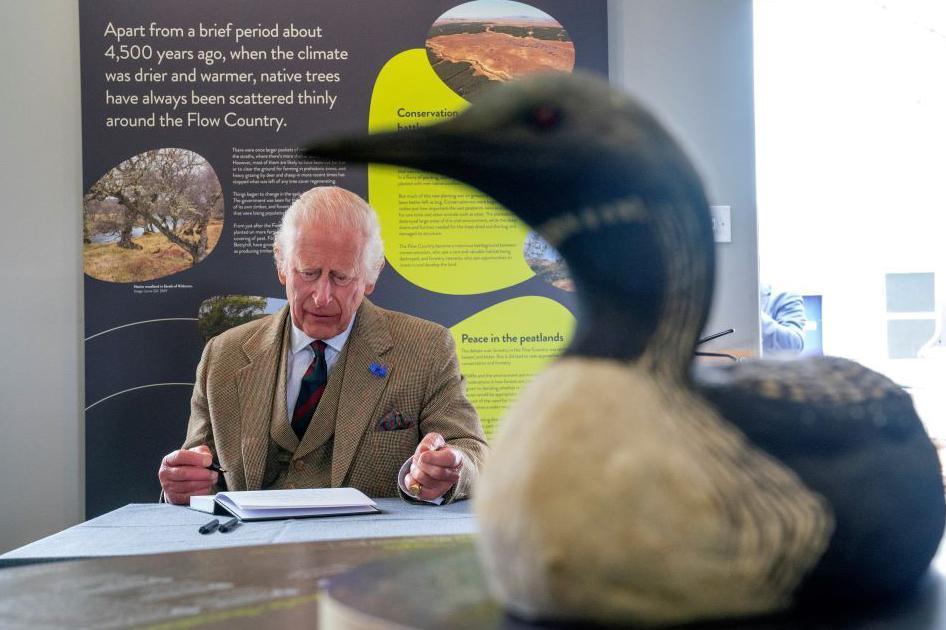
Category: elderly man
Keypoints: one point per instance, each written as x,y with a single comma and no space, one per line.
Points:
332,390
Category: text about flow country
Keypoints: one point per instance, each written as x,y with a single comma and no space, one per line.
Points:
217,75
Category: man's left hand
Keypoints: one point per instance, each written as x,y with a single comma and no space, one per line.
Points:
435,468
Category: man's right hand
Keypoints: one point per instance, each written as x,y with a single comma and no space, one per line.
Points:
184,473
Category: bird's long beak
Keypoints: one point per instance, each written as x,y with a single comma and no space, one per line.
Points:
427,148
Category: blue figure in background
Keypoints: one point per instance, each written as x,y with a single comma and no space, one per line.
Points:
783,322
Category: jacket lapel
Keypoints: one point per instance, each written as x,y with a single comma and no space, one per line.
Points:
258,403
360,389
280,428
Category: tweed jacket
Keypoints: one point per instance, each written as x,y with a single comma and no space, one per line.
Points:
396,379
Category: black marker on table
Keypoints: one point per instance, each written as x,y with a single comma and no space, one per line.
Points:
209,527
230,525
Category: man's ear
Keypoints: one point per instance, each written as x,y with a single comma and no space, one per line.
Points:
280,274
369,288
278,261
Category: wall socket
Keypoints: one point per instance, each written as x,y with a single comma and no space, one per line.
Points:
722,224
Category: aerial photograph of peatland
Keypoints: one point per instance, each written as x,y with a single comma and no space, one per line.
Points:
478,43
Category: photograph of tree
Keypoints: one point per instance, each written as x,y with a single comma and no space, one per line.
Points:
220,312
155,214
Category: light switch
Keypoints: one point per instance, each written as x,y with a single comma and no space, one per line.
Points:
722,225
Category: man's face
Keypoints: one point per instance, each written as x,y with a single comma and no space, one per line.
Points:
324,281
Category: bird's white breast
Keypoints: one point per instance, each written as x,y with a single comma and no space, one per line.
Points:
614,496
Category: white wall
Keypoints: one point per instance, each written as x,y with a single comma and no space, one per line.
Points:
691,61
689,58
40,271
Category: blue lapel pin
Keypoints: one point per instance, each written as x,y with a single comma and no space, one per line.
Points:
378,370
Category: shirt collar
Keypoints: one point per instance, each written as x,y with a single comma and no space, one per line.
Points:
298,340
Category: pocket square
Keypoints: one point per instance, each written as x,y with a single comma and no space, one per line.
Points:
395,421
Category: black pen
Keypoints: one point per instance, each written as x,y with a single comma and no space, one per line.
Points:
728,331
209,527
214,466
230,525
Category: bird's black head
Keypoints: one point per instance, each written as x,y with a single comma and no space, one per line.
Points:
593,173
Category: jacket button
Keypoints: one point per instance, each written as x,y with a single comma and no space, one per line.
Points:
299,465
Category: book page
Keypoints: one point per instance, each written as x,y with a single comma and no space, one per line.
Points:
299,498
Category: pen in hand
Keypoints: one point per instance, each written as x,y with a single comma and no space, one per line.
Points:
230,525
415,488
214,466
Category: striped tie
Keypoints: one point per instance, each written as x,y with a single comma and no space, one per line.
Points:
313,384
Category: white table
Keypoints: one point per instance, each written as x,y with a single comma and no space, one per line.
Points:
148,528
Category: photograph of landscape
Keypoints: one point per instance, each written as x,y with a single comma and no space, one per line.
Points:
477,44
155,214
547,263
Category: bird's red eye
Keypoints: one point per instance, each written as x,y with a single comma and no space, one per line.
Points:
545,116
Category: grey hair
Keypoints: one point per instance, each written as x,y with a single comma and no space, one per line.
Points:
337,207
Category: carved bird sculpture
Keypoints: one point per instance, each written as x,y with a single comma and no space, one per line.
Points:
625,485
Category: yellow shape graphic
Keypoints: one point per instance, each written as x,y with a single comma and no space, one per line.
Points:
503,347
439,234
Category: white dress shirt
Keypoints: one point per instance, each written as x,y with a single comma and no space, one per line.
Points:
300,358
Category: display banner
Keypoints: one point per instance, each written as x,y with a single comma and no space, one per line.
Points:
192,117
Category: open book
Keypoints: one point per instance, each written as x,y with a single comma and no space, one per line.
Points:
256,505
